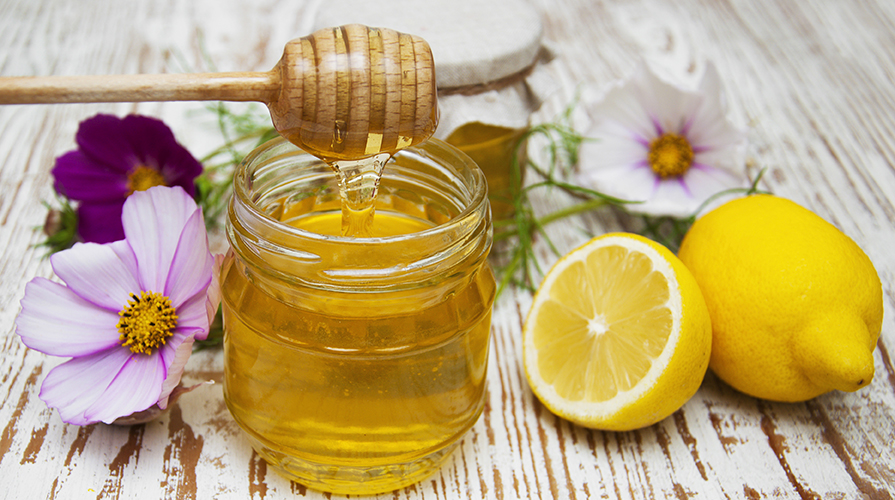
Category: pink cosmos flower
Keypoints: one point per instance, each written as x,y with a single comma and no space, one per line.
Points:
667,147
128,313
117,157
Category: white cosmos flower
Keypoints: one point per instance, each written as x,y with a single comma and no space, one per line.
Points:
667,147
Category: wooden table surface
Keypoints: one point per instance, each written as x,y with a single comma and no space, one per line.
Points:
814,82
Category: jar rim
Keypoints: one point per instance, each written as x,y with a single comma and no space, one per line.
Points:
478,190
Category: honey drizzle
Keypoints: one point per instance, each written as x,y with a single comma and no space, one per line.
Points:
358,186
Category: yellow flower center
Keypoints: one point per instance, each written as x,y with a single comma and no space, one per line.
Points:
670,155
146,322
143,178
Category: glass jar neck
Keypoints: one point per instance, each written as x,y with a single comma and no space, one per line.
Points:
433,182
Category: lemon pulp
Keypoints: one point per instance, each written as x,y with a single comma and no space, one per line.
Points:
614,328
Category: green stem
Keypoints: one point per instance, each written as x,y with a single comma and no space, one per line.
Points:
573,210
551,217
228,146
509,271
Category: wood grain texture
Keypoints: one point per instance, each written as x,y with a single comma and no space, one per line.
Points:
235,86
812,82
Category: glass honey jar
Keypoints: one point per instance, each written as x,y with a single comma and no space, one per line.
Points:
494,149
356,365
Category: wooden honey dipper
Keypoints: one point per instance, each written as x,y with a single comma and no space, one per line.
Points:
340,93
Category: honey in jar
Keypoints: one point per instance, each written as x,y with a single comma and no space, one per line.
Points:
494,149
356,364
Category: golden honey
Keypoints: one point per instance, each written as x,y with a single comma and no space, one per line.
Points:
493,148
355,365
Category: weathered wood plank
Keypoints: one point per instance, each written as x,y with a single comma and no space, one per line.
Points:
811,81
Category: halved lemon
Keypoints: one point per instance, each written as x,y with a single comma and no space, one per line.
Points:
618,336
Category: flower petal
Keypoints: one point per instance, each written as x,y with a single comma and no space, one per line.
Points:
97,273
213,293
705,181
135,388
100,222
80,178
673,197
124,252
193,314
55,321
628,182
610,152
154,143
154,411
621,113
636,185
153,222
192,265
180,168
77,384
151,140
175,360
105,140
722,143
669,105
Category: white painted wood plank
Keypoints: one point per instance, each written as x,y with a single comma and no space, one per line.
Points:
811,80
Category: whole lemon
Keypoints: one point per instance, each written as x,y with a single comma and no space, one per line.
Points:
796,306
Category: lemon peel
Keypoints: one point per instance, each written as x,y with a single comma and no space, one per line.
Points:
796,305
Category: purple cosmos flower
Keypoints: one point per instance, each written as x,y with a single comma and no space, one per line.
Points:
117,157
662,145
128,313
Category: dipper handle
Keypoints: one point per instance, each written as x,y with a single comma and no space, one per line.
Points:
139,88
340,93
